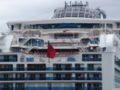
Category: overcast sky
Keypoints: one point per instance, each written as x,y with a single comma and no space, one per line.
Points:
13,10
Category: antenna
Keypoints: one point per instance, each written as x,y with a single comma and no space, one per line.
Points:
87,4
65,4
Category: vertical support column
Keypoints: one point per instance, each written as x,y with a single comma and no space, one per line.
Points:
85,75
14,69
25,65
26,70
13,86
73,74
86,87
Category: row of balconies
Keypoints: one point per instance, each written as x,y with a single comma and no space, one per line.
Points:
51,78
47,88
51,69
54,76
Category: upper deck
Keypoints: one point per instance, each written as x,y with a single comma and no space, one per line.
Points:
64,23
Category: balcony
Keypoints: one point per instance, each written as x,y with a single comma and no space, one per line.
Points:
62,67
7,88
19,88
99,88
94,78
85,88
50,69
80,78
6,79
94,69
50,79
8,58
36,67
6,69
87,69
60,78
80,68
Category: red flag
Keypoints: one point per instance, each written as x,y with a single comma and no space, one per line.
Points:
51,52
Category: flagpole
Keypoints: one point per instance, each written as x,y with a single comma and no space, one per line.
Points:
49,60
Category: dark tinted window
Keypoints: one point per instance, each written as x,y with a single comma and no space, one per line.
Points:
64,25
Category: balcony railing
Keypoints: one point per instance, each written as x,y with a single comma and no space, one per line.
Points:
51,69
49,78
46,88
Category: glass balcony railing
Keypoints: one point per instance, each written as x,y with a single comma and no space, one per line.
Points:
46,88
50,78
94,78
19,88
7,88
95,69
81,68
98,88
88,69
52,69
6,69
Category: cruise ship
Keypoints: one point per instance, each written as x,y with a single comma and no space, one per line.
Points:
77,49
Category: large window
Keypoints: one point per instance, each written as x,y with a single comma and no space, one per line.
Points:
109,25
80,76
80,86
19,86
6,67
79,67
94,86
7,86
8,58
20,76
91,57
94,76
66,35
62,76
62,66
63,25
35,42
118,25
20,67
36,67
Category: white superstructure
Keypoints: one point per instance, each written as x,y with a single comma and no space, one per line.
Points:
87,54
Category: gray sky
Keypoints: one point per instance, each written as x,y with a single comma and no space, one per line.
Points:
12,10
